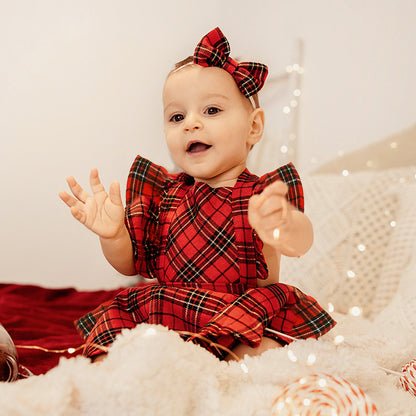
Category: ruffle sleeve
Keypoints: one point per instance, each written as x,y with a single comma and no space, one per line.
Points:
145,187
289,175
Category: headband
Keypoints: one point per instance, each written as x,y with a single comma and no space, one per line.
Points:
214,50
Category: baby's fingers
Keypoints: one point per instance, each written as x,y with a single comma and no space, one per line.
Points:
273,204
276,188
95,182
76,189
78,215
115,193
68,199
255,202
73,204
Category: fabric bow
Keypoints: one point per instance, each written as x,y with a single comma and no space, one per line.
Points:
214,50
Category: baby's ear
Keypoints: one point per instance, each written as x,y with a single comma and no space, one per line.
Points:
256,125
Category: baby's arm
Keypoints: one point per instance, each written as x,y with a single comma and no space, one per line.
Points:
103,214
282,228
119,252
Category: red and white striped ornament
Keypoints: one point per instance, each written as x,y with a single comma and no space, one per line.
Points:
408,379
323,395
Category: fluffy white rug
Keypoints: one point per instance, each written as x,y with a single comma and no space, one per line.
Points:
152,371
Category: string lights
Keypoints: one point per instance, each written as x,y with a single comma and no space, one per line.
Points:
369,164
281,98
361,247
69,351
292,107
297,389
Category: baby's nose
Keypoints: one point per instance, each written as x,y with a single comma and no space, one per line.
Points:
193,122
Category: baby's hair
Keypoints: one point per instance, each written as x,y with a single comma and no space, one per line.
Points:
184,62
254,99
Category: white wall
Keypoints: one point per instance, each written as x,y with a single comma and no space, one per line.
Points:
80,86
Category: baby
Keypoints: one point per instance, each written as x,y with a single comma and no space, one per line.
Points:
211,235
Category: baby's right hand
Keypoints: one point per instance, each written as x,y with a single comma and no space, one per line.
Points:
100,212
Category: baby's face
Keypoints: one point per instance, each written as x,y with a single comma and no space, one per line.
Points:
207,124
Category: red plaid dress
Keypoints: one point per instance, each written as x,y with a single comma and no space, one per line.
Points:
197,242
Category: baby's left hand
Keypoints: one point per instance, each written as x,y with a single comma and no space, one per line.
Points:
269,213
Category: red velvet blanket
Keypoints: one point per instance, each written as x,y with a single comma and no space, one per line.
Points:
37,316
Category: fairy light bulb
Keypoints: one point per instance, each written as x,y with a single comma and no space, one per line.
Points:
355,311
150,332
286,109
276,234
292,356
331,307
351,274
361,247
393,224
322,382
345,172
297,92
244,367
284,149
339,339
311,360
71,350
280,406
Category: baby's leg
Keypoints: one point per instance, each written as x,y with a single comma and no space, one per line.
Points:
98,358
241,349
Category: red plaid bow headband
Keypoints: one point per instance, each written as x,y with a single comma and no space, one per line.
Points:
214,50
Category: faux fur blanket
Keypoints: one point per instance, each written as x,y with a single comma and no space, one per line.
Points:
152,371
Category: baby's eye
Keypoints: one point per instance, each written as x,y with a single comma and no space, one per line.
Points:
212,110
176,118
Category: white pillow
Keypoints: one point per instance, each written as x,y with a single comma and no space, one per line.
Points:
401,252
355,259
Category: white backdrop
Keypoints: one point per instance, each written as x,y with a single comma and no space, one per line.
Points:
80,87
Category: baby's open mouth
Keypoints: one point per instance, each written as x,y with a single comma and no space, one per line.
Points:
196,147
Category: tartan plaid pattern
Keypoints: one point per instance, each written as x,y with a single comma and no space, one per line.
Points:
214,50
225,318
197,242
